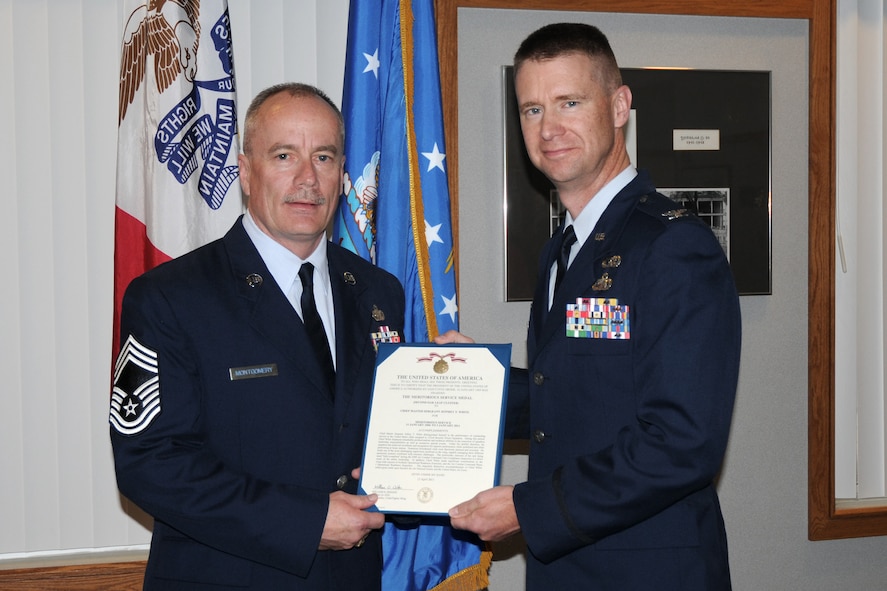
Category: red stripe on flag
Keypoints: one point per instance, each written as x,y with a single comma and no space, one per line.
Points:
133,255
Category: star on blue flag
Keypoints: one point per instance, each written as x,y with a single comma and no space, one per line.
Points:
435,159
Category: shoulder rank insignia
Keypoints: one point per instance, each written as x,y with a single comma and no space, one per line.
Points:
674,214
135,397
603,283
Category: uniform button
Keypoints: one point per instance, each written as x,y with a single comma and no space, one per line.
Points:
538,378
539,435
341,481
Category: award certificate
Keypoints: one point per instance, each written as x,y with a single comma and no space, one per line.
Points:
434,435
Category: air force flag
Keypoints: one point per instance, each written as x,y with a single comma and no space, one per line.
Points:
395,211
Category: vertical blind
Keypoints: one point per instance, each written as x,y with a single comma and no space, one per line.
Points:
59,65
860,266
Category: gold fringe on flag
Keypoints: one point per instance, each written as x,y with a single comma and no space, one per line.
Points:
474,578
417,208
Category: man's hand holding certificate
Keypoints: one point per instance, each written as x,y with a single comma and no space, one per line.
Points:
434,437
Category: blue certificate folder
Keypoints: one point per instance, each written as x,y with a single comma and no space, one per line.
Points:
436,425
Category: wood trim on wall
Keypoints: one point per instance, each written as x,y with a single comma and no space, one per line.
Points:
824,520
116,576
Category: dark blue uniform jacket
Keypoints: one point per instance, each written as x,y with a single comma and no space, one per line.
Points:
627,435
225,431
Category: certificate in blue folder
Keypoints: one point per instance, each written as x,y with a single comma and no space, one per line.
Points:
434,435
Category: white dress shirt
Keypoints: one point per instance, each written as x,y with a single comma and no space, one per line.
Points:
588,218
284,266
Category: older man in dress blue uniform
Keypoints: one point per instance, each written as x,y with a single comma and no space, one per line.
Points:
240,403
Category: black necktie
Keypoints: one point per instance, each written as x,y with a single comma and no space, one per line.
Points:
564,256
314,326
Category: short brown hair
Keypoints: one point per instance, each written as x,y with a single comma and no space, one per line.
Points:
560,39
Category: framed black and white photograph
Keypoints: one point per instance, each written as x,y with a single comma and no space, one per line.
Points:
712,206
704,137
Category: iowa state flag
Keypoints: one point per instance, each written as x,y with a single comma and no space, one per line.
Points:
395,211
177,140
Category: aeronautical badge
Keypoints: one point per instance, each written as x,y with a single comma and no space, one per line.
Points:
135,398
384,335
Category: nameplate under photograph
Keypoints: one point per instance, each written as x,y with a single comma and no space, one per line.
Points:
434,435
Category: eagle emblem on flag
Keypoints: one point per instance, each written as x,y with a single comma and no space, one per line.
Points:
189,136
360,196
169,31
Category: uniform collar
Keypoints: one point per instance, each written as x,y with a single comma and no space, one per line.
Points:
588,218
282,263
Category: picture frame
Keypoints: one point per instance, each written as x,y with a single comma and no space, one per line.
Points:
704,137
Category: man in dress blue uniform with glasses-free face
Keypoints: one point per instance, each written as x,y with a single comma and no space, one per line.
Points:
633,352
236,422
